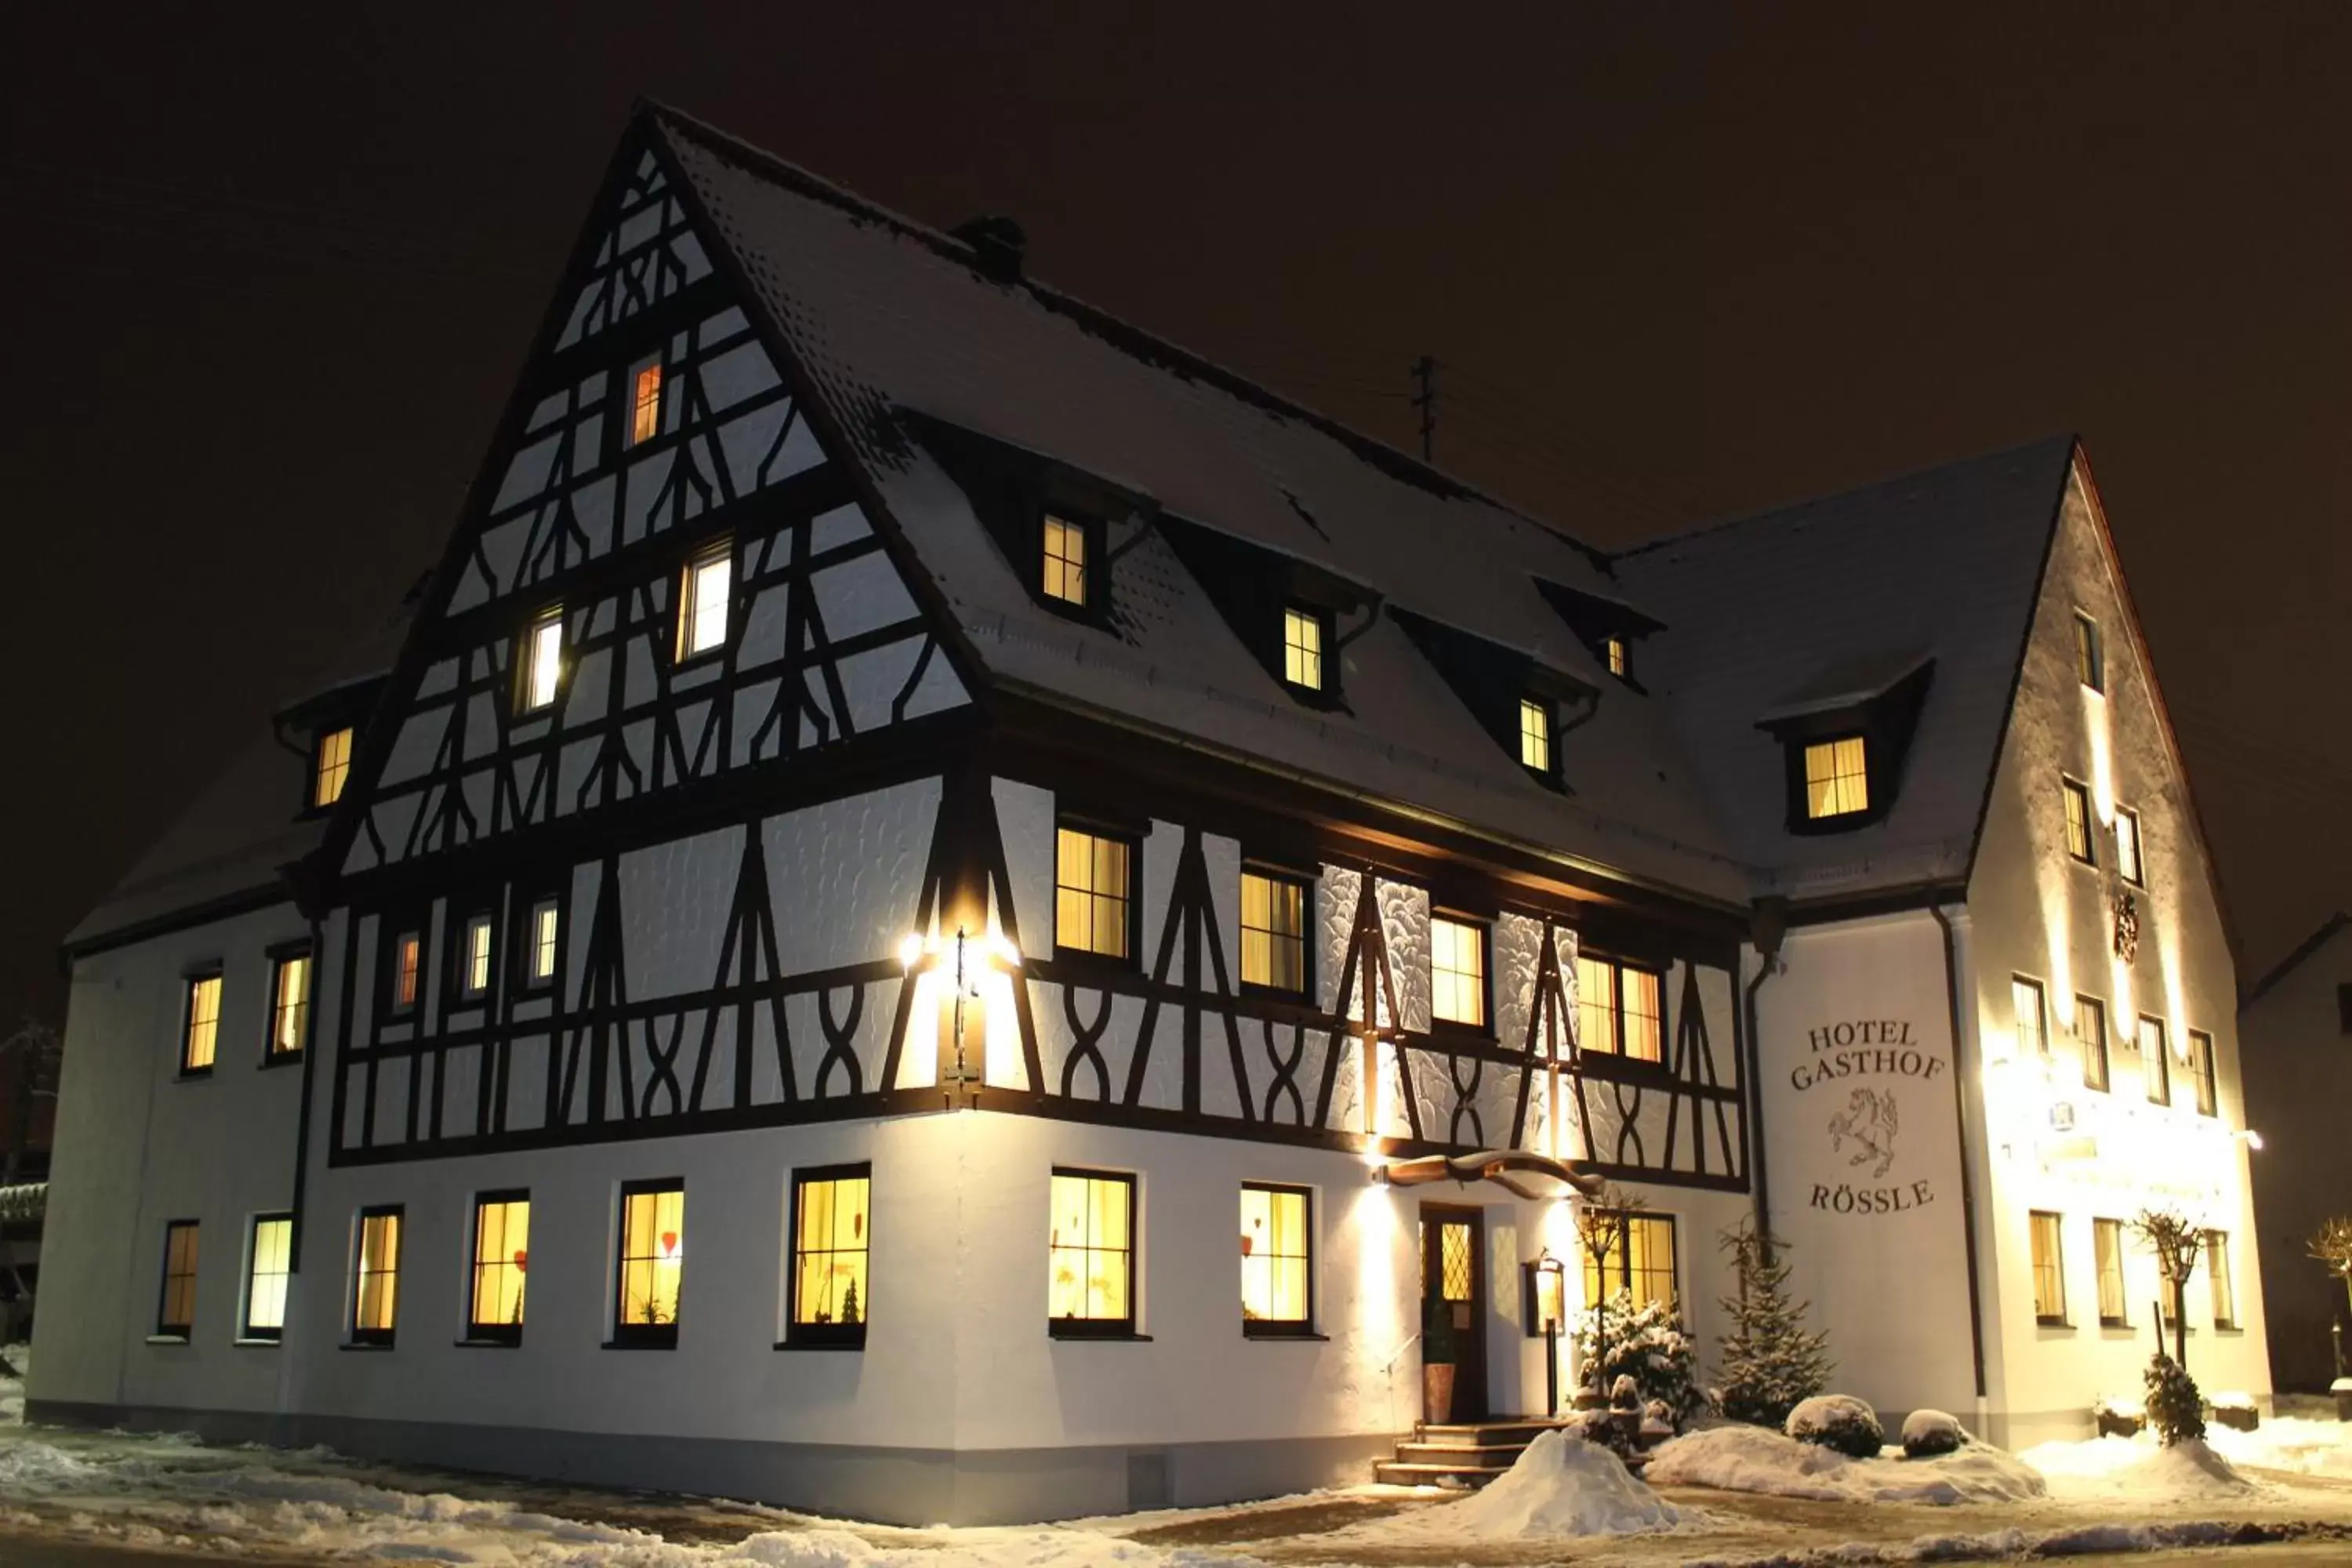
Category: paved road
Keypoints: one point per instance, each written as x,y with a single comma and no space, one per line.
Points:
39,1552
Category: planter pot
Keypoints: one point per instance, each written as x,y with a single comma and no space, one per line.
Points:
2245,1417
1437,1394
2113,1425
2343,1405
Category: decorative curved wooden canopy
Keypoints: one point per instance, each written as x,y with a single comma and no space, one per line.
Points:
1516,1170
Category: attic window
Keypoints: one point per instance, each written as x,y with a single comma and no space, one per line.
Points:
1844,736
1534,735
1613,654
2090,658
645,402
1065,561
702,595
1302,647
334,766
1837,778
542,661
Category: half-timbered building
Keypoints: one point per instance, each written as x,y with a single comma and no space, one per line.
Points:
946,911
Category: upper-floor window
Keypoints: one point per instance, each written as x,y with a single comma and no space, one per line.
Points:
1613,652
1618,1009
200,1037
1065,564
501,1264
542,674
266,1276
2108,1252
2128,860
2078,821
1458,971
1535,734
644,401
375,1276
702,600
289,1005
832,1237
2200,1063
1640,1262
2216,1270
2049,1268
333,766
2091,1035
2090,658
1093,893
1274,932
2154,1065
2032,1017
1277,1260
407,970
176,1313
546,923
1302,647
1837,777
473,977
1090,1253
652,1263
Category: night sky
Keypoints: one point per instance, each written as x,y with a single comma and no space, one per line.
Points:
269,273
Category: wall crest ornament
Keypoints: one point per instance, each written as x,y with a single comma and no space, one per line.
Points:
2127,926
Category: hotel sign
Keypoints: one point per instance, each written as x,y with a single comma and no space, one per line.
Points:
1862,1063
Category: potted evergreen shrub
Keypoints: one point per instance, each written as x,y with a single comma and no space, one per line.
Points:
1438,1351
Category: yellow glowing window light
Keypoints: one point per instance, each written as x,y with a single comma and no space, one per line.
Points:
501,1262
545,921
1066,561
289,1007
176,1314
543,671
831,1236
2078,820
1302,649
644,403
1619,1009
1596,1005
2128,863
702,601
1535,734
1090,1253
2216,1270
2049,1272
1638,991
334,766
408,956
1458,971
1614,649
203,1024
1274,932
375,1302
2107,1250
2025,1002
1837,779
653,1255
1091,892
2090,667
1640,1260
264,1280
1275,1254
478,955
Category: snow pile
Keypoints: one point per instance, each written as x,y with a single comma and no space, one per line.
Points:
1752,1459
2290,1443
12,1389
1929,1433
2138,1470
1837,1421
1561,1486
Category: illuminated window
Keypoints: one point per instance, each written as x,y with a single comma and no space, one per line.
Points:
407,970
289,1005
1066,561
2033,1018
201,1036
1618,1009
540,941
652,1261
832,1229
334,766
2217,1271
1278,1260
702,600
501,1260
1614,651
1090,1255
2127,864
1092,895
2154,1064
474,979
1458,971
1642,1262
2049,1273
1837,781
2107,1247
2200,1062
175,1314
645,402
2078,820
2091,1035
1274,932
265,1277
375,1290
1535,734
543,662
1302,649
2090,660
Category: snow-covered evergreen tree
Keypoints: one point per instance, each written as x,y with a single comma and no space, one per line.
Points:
1616,1339
1771,1362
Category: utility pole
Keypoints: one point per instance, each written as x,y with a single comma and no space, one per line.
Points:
1424,398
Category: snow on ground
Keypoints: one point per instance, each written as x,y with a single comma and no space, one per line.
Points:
1559,1486
12,1389
2305,1447
1756,1459
2137,1468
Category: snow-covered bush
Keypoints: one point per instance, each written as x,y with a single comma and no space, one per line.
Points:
1838,1421
2175,1408
1929,1432
1616,1340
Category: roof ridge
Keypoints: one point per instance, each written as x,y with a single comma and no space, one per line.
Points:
2337,920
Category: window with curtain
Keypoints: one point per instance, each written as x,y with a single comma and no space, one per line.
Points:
1642,1262
1619,1009
200,1040
2049,1271
652,1263
375,1284
2107,1249
1274,932
1090,1253
1093,891
1277,1260
175,1314
2026,1004
1837,778
1458,971
832,1232
501,1265
2091,1035
265,1277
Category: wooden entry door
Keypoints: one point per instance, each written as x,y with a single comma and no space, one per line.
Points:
1454,1282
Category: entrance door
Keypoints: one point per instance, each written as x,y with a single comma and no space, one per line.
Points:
1454,1287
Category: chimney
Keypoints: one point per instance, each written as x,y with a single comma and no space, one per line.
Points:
997,246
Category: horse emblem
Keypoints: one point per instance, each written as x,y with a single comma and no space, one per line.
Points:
1869,1120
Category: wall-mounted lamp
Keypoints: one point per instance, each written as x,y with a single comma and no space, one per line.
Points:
2252,1138
960,964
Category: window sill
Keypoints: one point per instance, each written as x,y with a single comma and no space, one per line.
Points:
2041,1322
281,1059
820,1344
167,1339
1443,1029
639,1345
1080,1337
251,1343
1081,962
1278,1336
193,1075
2115,1326
481,1344
368,1346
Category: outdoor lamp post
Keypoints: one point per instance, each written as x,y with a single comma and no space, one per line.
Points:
1552,1304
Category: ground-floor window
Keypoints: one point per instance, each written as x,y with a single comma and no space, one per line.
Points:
1090,1253
2049,1273
1277,1260
375,1294
2217,1270
265,1277
1641,1261
2108,1247
176,1313
832,1229
652,1263
501,1260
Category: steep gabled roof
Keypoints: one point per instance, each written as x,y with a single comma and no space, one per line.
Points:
2304,951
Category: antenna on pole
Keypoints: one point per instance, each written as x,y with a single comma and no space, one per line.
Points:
1424,398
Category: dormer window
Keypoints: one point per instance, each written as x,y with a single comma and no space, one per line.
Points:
1302,647
334,765
702,601
1613,654
1837,777
542,674
645,402
1065,564
2090,656
1534,735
